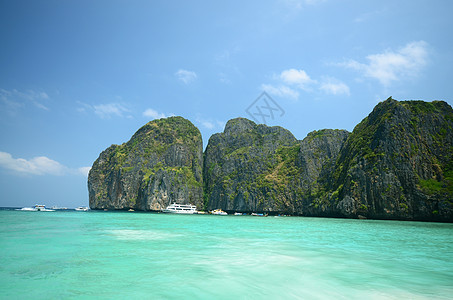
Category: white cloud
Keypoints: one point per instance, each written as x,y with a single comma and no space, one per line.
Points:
151,113
13,100
186,76
106,111
39,165
299,4
84,171
40,105
368,16
210,124
296,77
291,82
333,86
391,66
281,91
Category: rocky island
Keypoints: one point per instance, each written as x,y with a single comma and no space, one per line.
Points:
160,164
396,164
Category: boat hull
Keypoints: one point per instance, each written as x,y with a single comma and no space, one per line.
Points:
169,211
185,209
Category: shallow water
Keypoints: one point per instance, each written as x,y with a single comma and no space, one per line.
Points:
109,255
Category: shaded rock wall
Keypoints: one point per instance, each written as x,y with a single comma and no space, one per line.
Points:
396,164
160,164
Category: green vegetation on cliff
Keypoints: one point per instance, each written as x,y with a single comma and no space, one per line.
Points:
396,164
161,163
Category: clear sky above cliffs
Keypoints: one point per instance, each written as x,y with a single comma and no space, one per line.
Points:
78,76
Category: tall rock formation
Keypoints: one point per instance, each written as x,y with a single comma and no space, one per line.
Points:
160,164
253,167
397,164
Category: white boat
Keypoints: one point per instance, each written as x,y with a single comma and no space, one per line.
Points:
218,212
82,208
27,209
176,208
37,207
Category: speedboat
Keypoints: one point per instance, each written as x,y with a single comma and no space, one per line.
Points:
37,207
218,212
27,209
82,208
176,208
40,207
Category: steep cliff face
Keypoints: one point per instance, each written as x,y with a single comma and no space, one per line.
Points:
160,164
234,161
397,164
253,167
316,160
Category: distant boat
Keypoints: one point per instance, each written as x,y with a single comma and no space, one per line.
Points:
37,207
82,208
239,214
181,209
27,209
218,212
258,215
59,208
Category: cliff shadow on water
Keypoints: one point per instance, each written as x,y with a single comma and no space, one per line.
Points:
396,164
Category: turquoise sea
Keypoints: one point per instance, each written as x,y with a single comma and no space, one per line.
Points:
124,255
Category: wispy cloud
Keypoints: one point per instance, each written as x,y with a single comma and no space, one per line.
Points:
40,165
369,16
280,91
291,82
105,111
390,66
333,86
84,171
186,76
153,114
297,78
210,123
13,100
299,4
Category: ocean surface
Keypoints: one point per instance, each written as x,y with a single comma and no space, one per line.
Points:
124,255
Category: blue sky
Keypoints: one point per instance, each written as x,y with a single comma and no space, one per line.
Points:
78,76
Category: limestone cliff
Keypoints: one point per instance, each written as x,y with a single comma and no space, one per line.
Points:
398,164
253,167
160,164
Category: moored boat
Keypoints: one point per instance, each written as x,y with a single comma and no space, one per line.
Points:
82,208
258,215
176,208
218,212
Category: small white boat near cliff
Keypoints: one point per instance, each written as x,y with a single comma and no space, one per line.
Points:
176,208
82,208
219,212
